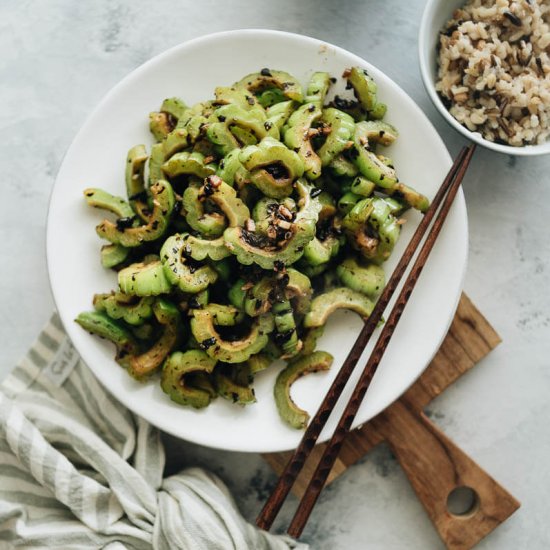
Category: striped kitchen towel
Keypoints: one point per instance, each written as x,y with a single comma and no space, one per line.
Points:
78,470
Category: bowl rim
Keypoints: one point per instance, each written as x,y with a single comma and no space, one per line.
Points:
425,32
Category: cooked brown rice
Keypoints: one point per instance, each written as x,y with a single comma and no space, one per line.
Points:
494,69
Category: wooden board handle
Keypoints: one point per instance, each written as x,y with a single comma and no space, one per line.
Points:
435,467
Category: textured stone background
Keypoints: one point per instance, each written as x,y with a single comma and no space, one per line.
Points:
59,57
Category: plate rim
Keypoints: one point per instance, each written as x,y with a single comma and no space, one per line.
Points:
124,399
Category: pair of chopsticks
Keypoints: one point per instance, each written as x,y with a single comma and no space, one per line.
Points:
444,198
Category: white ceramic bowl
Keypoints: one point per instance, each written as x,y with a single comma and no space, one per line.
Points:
97,157
436,14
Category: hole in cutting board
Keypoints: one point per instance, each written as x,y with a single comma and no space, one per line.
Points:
462,501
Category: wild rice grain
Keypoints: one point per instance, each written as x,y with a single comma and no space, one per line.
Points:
494,57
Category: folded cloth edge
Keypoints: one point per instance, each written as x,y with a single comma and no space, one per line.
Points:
77,469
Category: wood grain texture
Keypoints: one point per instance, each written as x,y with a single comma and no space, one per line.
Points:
432,462
435,466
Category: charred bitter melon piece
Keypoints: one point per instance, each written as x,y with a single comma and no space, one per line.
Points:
98,198
209,224
318,252
270,97
134,174
408,197
366,278
179,378
327,241
298,136
117,305
362,186
258,299
237,126
199,249
298,289
113,255
143,365
380,132
267,78
278,114
366,92
239,377
257,363
293,415
233,350
328,206
342,127
194,121
348,201
100,324
156,160
224,141
253,120
379,170
342,167
310,270
317,89
231,389
172,112
369,164
249,248
268,211
174,106
237,294
226,199
180,270
338,298
174,142
126,234
144,279
226,95
273,167
225,315
160,124
231,171
199,300
309,338
372,229
191,164
397,207
286,336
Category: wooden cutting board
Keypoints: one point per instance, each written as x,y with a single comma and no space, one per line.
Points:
434,465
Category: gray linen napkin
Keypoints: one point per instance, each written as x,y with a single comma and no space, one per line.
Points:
78,470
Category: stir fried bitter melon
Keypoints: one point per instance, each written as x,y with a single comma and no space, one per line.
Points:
255,216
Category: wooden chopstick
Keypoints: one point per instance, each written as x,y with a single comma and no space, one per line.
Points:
332,449
296,462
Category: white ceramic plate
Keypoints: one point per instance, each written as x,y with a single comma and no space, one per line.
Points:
97,157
